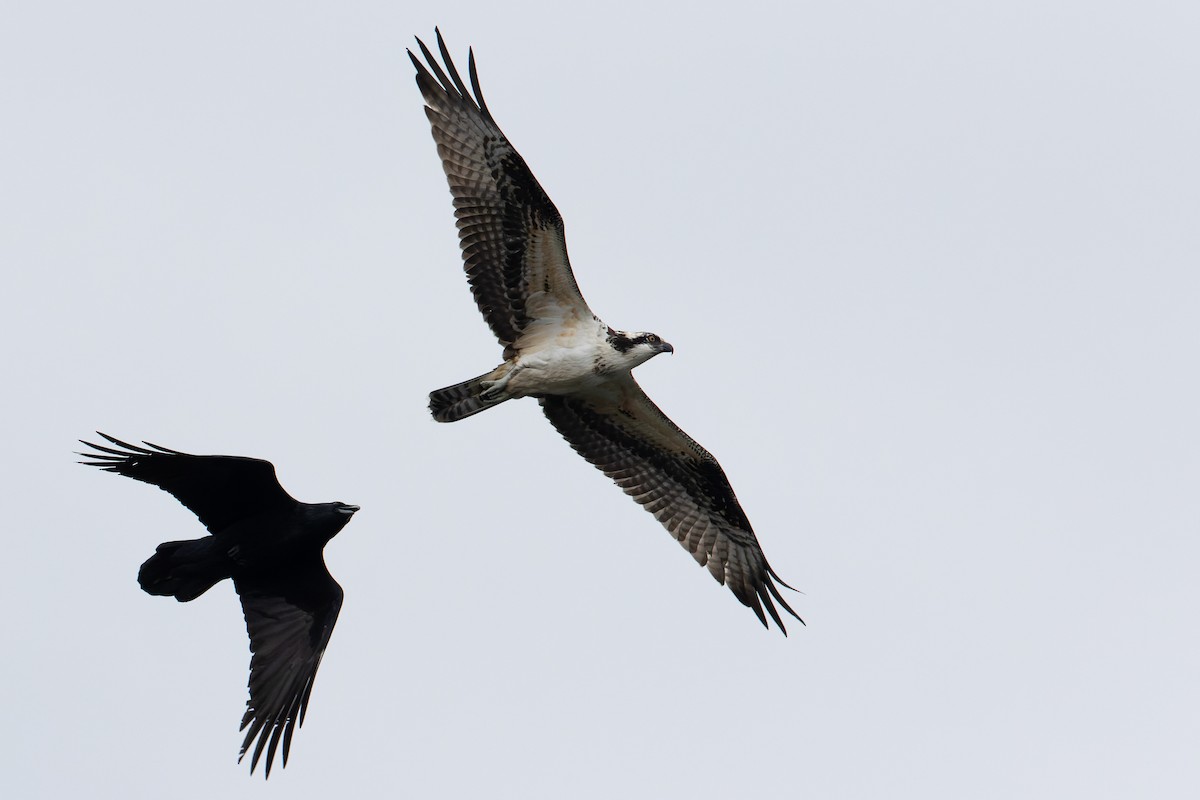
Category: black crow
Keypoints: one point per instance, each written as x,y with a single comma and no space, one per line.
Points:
271,545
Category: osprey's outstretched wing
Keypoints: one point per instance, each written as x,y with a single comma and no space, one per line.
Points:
219,490
510,233
618,429
289,616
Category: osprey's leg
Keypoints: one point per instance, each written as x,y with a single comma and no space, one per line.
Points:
493,390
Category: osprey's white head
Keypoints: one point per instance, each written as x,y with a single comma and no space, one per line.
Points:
632,349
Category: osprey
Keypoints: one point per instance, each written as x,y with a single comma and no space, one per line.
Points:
555,349
271,546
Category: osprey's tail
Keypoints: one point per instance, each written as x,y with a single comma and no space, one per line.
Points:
464,399
183,570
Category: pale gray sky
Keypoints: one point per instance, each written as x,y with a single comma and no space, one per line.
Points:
931,273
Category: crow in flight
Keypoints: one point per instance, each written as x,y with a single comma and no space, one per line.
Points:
271,546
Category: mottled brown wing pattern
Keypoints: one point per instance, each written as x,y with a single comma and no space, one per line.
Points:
628,438
510,233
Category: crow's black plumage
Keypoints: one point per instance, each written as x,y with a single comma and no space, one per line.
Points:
271,545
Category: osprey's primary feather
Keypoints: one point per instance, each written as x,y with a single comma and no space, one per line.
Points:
557,350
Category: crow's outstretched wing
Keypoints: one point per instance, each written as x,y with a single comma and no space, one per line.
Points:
220,490
290,615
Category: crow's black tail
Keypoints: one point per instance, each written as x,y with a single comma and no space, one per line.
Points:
183,570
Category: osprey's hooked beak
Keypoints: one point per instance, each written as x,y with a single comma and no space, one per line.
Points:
665,347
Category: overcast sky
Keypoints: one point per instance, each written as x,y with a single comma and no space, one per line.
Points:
932,274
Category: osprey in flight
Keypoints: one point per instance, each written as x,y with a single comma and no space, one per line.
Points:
271,546
555,349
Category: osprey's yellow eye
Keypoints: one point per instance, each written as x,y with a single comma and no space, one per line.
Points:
652,339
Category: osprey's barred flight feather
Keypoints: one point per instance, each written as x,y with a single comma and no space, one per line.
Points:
555,349
271,546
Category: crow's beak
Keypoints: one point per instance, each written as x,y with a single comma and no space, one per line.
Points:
348,509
